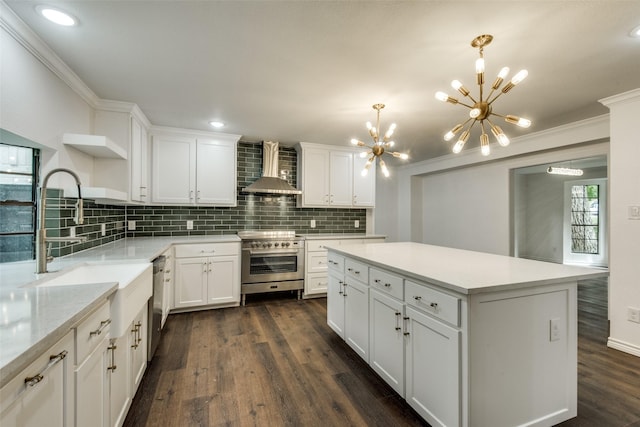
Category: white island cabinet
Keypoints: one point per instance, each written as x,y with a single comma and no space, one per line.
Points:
467,338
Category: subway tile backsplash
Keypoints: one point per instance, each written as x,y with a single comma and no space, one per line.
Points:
253,212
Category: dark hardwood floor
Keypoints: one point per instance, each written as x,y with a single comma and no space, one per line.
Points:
275,362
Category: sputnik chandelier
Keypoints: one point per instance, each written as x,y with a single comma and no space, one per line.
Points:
379,145
482,109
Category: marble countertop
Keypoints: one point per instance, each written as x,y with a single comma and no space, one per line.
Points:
465,272
32,318
330,236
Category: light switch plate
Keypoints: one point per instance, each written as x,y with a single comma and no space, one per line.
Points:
131,225
103,229
189,225
634,212
313,223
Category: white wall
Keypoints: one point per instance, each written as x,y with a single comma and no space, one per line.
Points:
37,105
624,242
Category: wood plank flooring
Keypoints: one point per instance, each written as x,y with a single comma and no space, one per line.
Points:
275,362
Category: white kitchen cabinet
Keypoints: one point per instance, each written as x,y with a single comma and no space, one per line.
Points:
138,350
433,369
330,176
167,295
118,377
127,126
42,394
90,373
348,304
207,275
386,333
316,278
194,169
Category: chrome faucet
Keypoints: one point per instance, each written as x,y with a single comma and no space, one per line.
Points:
42,256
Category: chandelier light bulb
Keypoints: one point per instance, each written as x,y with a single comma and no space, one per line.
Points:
463,139
449,135
484,144
369,126
520,76
364,154
503,72
389,144
518,121
479,65
403,156
474,113
390,131
441,96
383,167
355,141
500,136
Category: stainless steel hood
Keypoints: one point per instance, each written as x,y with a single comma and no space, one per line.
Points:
270,183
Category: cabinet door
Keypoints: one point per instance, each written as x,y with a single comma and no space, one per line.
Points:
92,392
173,170
223,283
138,161
191,282
433,369
44,401
340,178
315,171
216,172
138,349
119,396
316,283
356,317
364,187
386,355
335,303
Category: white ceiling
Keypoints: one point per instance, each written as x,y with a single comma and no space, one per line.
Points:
294,71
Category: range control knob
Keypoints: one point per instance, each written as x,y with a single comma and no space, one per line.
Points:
276,244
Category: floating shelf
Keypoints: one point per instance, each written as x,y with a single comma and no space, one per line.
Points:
99,194
95,145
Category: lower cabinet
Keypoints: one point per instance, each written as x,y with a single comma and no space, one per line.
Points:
335,302
433,369
42,394
212,280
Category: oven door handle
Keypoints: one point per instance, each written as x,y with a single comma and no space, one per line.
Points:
271,252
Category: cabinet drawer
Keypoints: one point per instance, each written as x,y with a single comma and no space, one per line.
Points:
92,331
335,262
316,262
316,284
386,282
356,270
436,303
207,249
318,245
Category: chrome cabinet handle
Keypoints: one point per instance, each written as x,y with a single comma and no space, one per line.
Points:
398,314
103,324
377,280
406,329
417,298
53,359
434,305
387,285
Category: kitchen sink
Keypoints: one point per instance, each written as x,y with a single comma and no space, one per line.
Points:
134,288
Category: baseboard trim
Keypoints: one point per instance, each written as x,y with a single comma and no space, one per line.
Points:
623,346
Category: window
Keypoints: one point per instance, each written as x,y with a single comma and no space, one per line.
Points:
585,219
18,181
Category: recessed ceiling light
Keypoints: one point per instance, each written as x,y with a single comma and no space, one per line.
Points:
635,32
57,16
216,124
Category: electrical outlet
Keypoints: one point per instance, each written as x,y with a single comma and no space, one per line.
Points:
189,225
634,212
131,226
356,224
103,229
633,314
554,329
313,223
72,232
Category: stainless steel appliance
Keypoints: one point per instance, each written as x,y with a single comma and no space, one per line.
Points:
271,261
154,318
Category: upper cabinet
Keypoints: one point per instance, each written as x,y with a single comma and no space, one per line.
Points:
331,176
193,168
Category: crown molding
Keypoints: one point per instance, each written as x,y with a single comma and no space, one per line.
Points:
16,28
630,96
123,107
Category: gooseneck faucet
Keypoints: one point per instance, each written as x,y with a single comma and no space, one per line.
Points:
41,236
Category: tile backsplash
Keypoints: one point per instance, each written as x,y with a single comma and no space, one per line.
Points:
253,212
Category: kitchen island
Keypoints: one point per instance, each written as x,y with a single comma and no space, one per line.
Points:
467,338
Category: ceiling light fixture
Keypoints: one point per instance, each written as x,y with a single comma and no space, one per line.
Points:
482,109
379,145
57,16
564,171
216,124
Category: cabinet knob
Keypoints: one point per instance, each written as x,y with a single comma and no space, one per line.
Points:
417,298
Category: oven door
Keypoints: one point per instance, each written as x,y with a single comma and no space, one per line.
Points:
272,265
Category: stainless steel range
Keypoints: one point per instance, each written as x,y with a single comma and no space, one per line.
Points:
271,261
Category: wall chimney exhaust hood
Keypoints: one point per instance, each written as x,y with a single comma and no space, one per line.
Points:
270,183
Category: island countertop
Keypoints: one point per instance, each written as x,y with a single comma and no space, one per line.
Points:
462,271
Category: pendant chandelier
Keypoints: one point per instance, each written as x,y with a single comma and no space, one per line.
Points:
482,108
376,150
